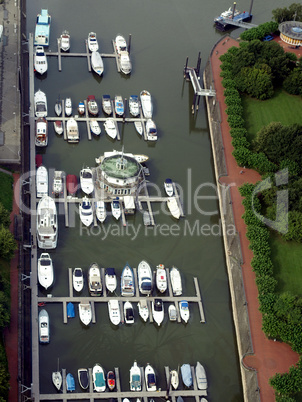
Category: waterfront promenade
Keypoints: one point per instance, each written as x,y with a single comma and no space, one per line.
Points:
269,357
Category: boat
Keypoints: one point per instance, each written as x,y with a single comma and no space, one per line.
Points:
203,399
201,377
42,28
129,205
222,22
42,181
169,189
184,310
94,280
86,180
119,105
110,280
116,208
151,130
57,379
144,274
65,41
45,271
95,128
147,218
97,63
146,103
176,281
100,211
186,375
47,230
78,279
92,105
98,376
72,130
135,378
58,107
70,310
173,207
110,128
120,44
111,380
93,45
81,108
172,312
180,399
161,278
57,184
83,378
114,311
40,102
150,378
158,311
85,211
133,105
127,281
128,313
70,383
43,326
72,184
58,126
143,309
106,104
125,63
85,312
139,127
41,132
68,106
174,379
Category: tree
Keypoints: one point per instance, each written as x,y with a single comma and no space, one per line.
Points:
293,82
294,11
8,244
4,216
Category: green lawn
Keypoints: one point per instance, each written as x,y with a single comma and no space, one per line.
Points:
6,193
282,108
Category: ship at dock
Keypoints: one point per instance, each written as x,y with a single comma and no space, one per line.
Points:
231,18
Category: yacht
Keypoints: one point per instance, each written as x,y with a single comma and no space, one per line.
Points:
127,281
173,207
92,106
110,128
57,184
116,208
125,63
120,44
100,210
106,104
47,230
184,310
168,185
93,45
86,180
144,274
43,326
72,130
41,139
45,271
40,102
158,311
119,105
161,278
40,60
151,130
135,378
150,378
97,63
201,377
85,313
42,181
95,127
85,210
134,105
146,103
98,376
110,280
68,106
65,41
143,309
94,280
114,311
78,279
176,281
128,313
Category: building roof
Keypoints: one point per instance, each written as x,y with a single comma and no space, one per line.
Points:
291,29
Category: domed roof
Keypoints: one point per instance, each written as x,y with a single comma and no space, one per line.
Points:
120,166
292,29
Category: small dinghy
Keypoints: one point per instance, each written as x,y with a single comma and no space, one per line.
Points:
70,383
78,279
70,310
85,313
83,377
81,108
139,127
174,379
172,312
184,310
168,184
58,107
201,377
111,380
186,375
143,309
128,313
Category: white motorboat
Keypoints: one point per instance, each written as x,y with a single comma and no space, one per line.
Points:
72,130
100,211
65,41
110,280
99,380
186,375
83,378
93,44
106,104
125,63
58,126
201,377
40,60
41,139
134,105
158,311
57,378
139,127
97,63
173,207
58,107
127,281
116,208
40,102
146,103
174,379
92,106
150,378
43,326
120,44
42,181
68,106
95,128
143,309
94,280
45,271
85,211
147,218
47,230
184,310
81,108
161,278
110,128
168,185
172,312
57,184
85,313
144,274
114,311
135,378
128,313
151,130
176,281
86,180
78,279
119,105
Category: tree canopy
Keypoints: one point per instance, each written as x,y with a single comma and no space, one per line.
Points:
293,12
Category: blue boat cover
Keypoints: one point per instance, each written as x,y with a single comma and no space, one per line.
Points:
70,384
99,380
146,285
110,271
186,375
168,181
70,310
151,380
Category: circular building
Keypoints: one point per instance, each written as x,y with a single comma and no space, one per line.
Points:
291,32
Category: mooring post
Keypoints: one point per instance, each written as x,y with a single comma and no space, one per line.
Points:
198,100
185,68
125,108
129,46
198,64
193,104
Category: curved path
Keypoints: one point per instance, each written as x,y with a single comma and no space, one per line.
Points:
269,357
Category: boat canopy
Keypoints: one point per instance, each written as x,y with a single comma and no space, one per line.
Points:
110,271
99,380
151,380
70,382
129,314
146,284
70,310
186,374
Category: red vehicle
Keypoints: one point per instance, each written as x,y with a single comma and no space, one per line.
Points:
72,184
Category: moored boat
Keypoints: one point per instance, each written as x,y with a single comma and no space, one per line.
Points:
94,127
42,28
134,105
116,208
120,44
146,103
176,281
100,210
139,127
128,313
106,104
172,312
114,311
72,130
184,310
68,106
150,378
40,102
65,41
158,311
111,380
57,184
98,375
41,139
70,383
72,184
40,60
81,108
97,63
135,377
58,107
125,63
83,378
201,377
41,181
85,211
119,105
45,271
173,207
110,128
144,274
151,130
86,180
174,379
186,375
168,185
94,280
127,281
93,44
92,105
147,218
85,313
58,127
161,278
110,279
57,379
43,326
78,279
47,230
143,309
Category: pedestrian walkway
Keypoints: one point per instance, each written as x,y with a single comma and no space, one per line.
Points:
269,357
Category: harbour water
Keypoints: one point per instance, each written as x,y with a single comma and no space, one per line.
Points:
163,34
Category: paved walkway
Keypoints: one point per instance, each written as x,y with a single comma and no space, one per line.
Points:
269,357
